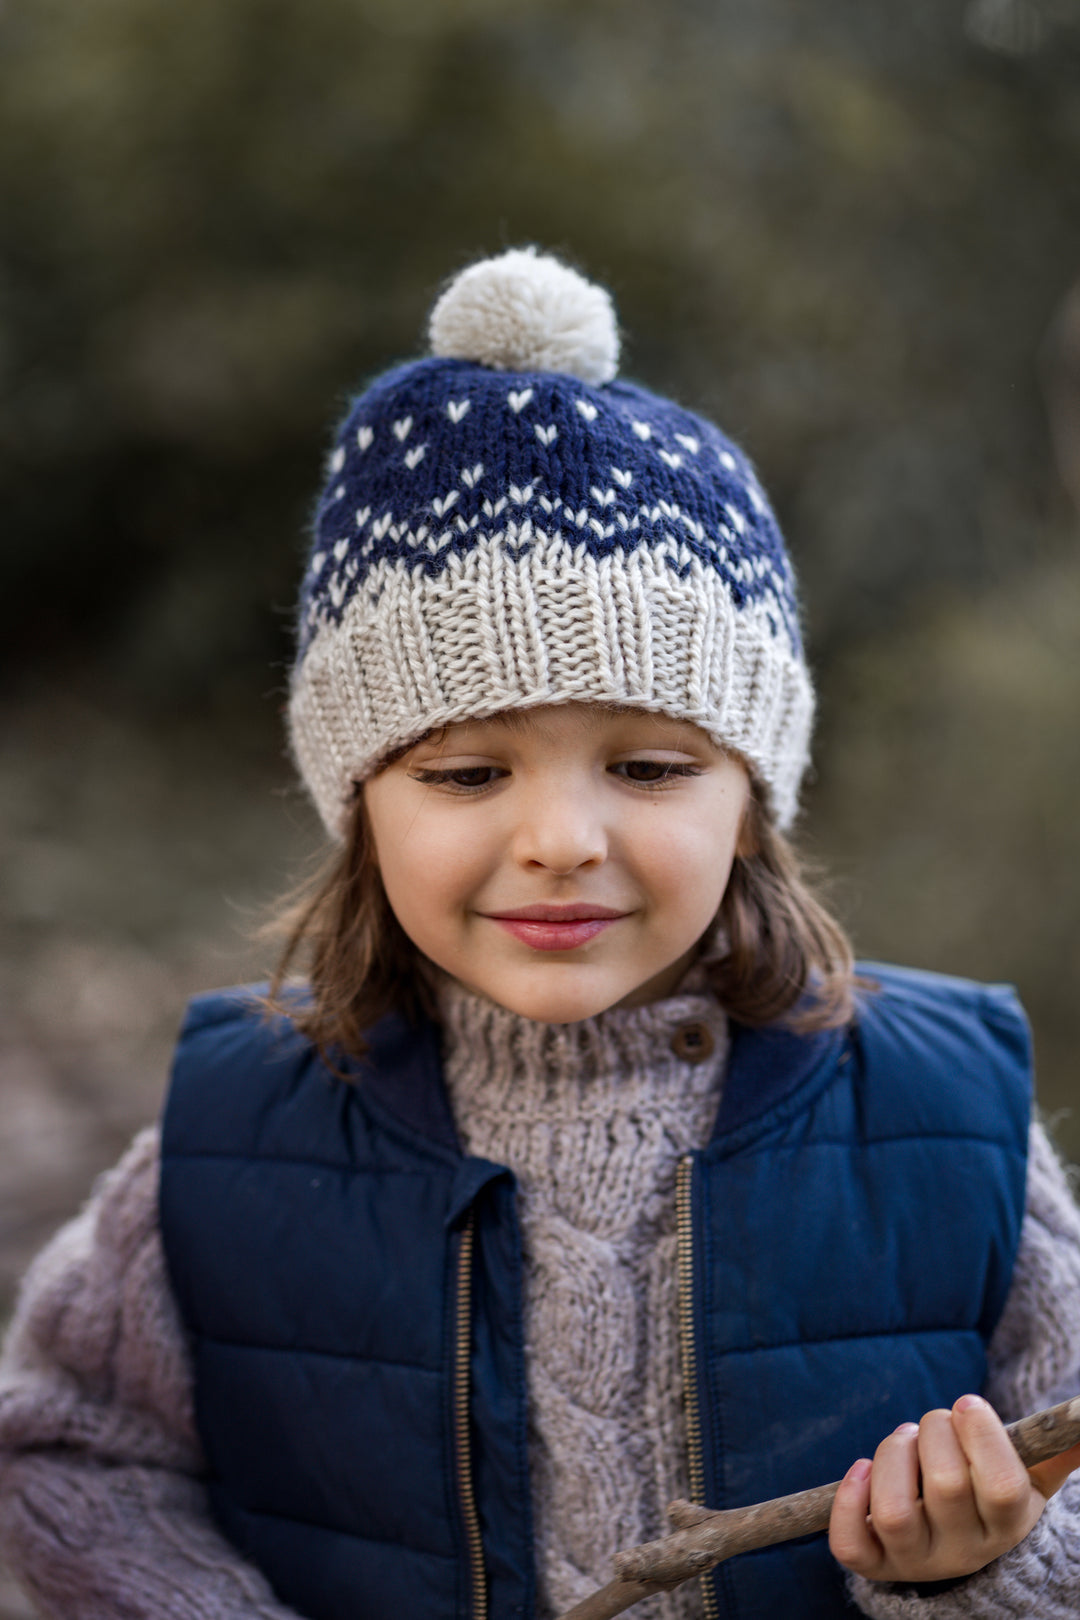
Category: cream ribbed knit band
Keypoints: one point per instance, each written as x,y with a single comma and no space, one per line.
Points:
493,538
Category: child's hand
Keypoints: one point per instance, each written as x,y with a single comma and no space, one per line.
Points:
941,1498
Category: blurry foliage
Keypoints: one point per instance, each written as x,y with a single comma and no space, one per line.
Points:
843,230
946,800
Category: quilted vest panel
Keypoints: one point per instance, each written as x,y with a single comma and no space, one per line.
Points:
313,1239
853,1247
853,1224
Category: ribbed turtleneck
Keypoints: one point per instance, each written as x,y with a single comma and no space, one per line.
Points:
593,1118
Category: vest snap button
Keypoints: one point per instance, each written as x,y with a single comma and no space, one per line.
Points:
693,1043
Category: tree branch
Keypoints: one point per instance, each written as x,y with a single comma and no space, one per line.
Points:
702,1539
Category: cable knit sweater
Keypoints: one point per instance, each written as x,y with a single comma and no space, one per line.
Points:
593,1118
102,1512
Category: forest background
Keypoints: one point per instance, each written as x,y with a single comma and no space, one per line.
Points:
847,231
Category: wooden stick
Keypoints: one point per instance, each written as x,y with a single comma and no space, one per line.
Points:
703,1539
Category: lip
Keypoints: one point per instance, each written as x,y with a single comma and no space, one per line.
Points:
556,928
557,914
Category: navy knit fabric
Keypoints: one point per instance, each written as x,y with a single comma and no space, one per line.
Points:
494,535
438,453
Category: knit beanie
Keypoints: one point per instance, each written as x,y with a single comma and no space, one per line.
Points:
505,524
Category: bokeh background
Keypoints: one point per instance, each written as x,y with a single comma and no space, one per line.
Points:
850,232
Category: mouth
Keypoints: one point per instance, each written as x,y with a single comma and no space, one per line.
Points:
557,914
556,928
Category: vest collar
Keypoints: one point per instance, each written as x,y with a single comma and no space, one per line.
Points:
768,1069
401,1075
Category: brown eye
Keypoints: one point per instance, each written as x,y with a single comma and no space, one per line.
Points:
463,779
653,773
646,770
471,776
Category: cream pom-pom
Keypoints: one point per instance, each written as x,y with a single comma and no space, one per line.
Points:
525,311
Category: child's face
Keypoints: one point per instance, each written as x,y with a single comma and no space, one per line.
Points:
619,827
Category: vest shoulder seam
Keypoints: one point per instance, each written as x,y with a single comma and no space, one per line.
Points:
313,1350
855,1144
336,1530
195,1154
844,1338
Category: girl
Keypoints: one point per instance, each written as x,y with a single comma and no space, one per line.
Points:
584,1173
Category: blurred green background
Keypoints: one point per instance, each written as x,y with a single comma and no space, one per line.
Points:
847,231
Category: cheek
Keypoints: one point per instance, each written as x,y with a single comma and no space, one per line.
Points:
689,860
711,868
429,871
689,875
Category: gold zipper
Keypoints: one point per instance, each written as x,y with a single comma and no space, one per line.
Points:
688,1352
462,1448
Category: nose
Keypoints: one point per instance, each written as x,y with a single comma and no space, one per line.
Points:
559,829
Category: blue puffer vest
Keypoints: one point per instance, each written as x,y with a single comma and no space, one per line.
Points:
352,1287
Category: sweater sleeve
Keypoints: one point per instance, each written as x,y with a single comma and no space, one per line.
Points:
103,1514
1034,1361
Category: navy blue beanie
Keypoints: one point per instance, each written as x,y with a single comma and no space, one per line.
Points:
507,524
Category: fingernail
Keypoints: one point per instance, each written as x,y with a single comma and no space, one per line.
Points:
860,1470
906,1428
970,1403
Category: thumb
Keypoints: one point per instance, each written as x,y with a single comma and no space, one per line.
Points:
1048,1477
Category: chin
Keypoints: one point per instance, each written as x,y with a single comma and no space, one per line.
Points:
567,1004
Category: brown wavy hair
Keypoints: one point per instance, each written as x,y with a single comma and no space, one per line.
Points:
787,960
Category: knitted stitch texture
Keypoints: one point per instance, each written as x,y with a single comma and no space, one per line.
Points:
592,1118
499,538
103,1514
